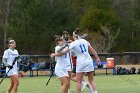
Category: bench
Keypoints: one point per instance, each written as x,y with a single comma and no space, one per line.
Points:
46,67
103,63
51,65
35,67
2,71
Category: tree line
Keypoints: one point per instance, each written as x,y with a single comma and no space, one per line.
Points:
112,25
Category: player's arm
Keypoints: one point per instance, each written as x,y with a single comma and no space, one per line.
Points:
61,48
63,52
59,53
94,53
4,61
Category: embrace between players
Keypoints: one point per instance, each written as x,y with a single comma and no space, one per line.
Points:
79,49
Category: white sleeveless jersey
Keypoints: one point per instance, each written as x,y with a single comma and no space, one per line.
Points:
61,61
69,60
80,48
10,55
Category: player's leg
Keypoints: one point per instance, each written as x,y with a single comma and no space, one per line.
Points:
69,78
73,74
79,77
64,84
84,82
11,85
91,81
15,79
73,77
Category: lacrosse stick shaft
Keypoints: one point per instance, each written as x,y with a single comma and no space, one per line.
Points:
50,77
4,76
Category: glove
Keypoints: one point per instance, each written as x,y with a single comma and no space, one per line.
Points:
21,62
75,57
10,67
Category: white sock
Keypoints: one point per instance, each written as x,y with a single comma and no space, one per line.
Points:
84,82
95,92
68,90
83,86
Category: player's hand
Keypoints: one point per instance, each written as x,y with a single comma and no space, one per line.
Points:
52,55
9,66
98,60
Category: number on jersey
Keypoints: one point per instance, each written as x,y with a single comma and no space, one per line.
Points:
83,48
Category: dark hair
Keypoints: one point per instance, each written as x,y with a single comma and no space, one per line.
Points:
66,35
10,40
76,32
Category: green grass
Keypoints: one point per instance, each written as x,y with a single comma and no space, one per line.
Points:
105,84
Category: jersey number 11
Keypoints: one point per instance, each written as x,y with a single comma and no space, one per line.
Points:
83,48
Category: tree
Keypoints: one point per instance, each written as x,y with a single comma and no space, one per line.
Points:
111,24
37,21
6,6
102,19
128,10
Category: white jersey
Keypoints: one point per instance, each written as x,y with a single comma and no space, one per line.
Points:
61,61
69,61
10,55
61,64
84,59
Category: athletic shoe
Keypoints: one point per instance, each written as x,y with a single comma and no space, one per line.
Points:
95,92
84,84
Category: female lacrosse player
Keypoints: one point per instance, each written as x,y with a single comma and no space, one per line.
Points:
60,68
69,60
84,60
8,60
71,64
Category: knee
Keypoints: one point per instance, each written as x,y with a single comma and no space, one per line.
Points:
79,81
12,84
16,83
71,78
66,83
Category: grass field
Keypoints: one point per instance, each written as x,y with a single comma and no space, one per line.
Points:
105,84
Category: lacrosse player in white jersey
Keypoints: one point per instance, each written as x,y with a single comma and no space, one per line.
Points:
69,60
8,58
84,64
71,68
61,65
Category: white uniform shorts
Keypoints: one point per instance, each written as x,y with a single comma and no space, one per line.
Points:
12,71
86,67
69,67
61,73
